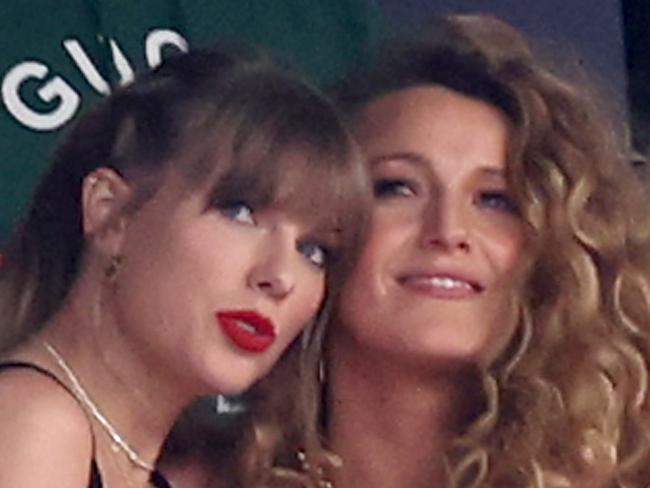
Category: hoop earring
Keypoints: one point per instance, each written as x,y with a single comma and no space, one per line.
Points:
322,371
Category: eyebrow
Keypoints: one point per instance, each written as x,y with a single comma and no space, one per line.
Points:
420,160
407,156
492,171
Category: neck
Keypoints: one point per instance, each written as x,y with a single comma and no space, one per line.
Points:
129,390
390,421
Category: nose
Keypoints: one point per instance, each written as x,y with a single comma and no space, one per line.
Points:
445,226
272,273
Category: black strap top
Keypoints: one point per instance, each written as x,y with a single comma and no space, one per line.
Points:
157,479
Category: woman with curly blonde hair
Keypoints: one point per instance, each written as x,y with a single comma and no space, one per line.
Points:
495,330
189,228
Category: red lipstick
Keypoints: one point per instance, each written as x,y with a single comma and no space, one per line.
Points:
247,329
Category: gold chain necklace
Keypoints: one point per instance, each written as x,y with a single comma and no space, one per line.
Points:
118,442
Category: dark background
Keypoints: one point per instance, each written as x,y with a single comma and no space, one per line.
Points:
589,32
636,21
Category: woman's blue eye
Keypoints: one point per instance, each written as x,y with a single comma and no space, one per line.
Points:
239,212
387,188
315,254
497,200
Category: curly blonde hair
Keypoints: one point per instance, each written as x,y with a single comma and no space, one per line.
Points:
566,403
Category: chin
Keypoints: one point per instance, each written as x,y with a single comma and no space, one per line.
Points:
232,387
237,380
446,350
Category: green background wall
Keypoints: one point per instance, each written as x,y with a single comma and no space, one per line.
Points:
58,58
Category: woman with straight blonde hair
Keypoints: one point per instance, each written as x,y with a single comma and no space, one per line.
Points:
189,228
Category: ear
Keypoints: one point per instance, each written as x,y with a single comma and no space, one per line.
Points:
105,196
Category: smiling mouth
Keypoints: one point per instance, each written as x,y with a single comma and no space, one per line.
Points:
441,286
247,329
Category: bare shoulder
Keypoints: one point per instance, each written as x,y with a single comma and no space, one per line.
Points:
45,437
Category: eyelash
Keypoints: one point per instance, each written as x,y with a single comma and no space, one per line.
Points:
323,256
239,212
317,254
497,200
393,188
400,188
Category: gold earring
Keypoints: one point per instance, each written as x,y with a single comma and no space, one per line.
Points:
113,268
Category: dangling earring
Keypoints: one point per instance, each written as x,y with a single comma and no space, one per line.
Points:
322,371
113,268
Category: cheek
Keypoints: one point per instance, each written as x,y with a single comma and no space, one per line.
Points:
314,295
366,287
388,235
172,273
504,246
505,255
157,249
309,296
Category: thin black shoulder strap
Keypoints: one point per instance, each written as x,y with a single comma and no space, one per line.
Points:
37,368
95,475
157,479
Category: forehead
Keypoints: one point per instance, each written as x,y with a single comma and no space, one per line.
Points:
435,125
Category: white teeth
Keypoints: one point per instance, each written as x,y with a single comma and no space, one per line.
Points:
447,283
247,327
